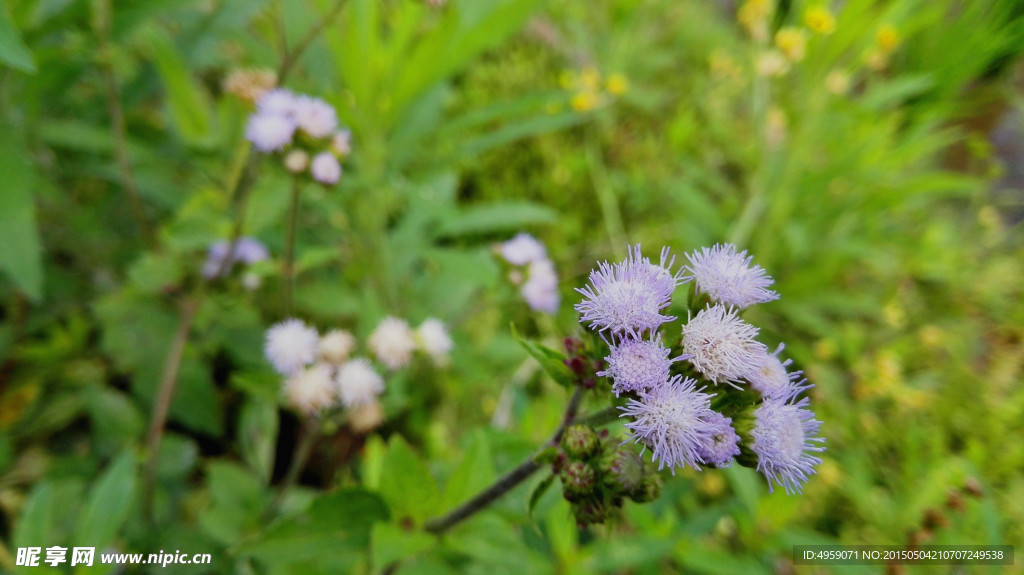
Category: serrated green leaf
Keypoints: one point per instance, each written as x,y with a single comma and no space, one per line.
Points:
406,484
475,472
109,503
393,543
550,360
21,255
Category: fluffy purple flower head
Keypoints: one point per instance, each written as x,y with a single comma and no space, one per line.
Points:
728,278
541,288
721,444
638,364
269,132
627,297
278,102
325,168
523,249
721,345
783,438
672,420
315,117
247,250
772,380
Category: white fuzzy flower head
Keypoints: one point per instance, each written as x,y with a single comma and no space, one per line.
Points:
771,379
358,383
522,250
269,132
311,390
393,343
325,168
673,421
279,102
728,278
721,345
336,346
290,346
315,117
541,288
432,337
296,161
366,417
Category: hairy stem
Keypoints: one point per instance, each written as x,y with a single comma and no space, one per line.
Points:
101,27
504,484
162,403
291,57
288,266
303,448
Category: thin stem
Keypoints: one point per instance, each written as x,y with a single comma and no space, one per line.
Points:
303,448
101,27
606,198
291,57
508,481
239,192
288,266
162,403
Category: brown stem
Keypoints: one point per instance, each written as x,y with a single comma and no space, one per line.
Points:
162,403
291,57
288,266
503,485
101,27
303,448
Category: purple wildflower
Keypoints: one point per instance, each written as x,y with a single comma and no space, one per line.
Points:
247,250
672,420
627,297
728,278
783,439
638,364
771,379
523,249
721,345
721,444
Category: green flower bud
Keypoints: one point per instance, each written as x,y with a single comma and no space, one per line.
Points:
590,511
622,470
580,442
649,490
578,480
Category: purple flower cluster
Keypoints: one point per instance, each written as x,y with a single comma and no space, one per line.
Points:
305,129
540,287
757,420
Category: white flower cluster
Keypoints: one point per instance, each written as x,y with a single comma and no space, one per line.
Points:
321,373
540,288
302,128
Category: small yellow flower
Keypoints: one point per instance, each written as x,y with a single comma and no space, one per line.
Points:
887,39
584,101
617,84
820,20
753,15
792,43
838,82
877,60
772,63
590,79
722,65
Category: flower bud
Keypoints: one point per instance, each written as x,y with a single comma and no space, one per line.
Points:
578,480
580,442
589,512
649,490
296,161
622,470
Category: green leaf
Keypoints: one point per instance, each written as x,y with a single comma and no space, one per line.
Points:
392,543
21,255
335,521
539,492
190,105
109,504
238,502
497,217
550,360
475,472
406,484
36,520
257,435
13,51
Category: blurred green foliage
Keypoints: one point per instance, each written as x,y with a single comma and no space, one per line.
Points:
853,160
